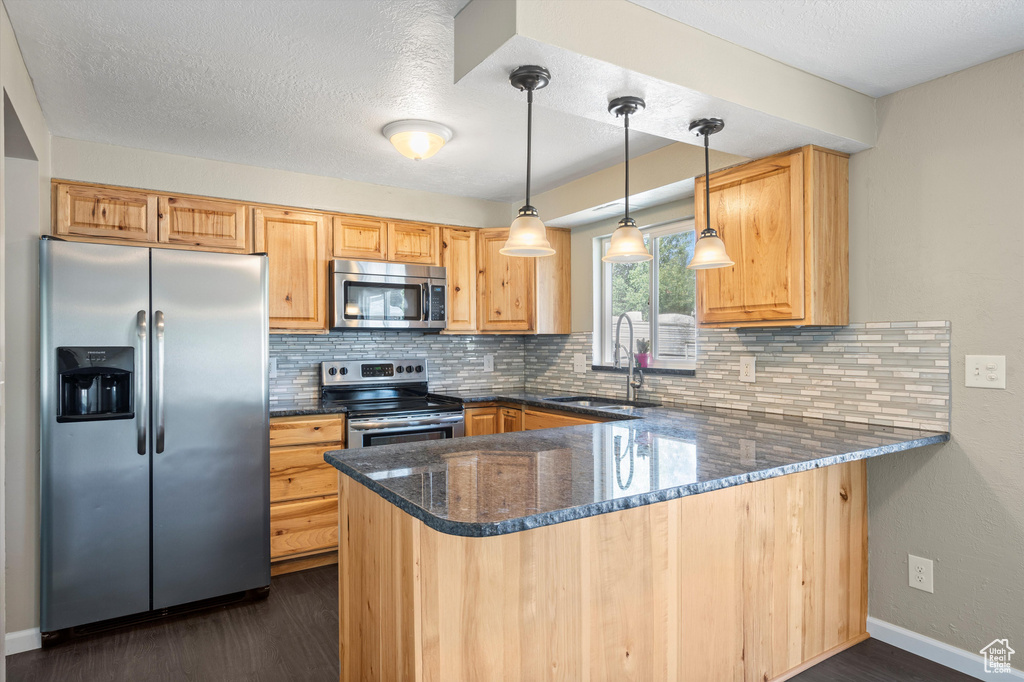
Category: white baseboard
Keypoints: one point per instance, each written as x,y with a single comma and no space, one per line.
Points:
22,640
963,661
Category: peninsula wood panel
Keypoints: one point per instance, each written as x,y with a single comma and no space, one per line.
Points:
458,256
296,246
360,238
505,286
745,583
204,224
102,213
413,243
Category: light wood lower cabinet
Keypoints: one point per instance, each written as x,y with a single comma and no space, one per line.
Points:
511,419
751,582
303,492
482,421
534,419
485,419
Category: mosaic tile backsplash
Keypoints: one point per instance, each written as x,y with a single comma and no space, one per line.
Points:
887,373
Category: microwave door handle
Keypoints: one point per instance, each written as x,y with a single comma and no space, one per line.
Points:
158,375
141,390
426,300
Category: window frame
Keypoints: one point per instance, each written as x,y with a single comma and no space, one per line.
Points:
603,339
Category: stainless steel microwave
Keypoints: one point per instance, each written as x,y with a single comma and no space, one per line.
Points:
372,295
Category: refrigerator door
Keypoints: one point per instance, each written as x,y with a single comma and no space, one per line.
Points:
94,483
211,459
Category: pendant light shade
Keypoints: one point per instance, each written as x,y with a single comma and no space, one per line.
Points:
627,243
709,251
527,237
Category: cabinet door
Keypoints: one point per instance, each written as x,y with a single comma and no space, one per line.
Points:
458,256
413,243
360,238
482,421
758,211
504,285
511,420
307,430
296,245
554,308
105,213
299,473
304,527
202,223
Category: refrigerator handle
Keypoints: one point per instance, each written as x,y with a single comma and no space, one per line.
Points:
141,372
158,376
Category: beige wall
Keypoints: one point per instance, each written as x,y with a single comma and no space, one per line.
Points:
95,162
937,232
19,337
583,255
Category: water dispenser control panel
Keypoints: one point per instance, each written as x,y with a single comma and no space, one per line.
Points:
95,382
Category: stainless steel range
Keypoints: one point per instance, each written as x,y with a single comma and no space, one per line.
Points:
387,402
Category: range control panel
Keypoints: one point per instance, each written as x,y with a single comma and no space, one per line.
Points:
347,372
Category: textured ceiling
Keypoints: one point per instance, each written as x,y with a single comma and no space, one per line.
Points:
302,85
872,46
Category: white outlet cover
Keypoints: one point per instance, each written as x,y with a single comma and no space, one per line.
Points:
579,363
921,573
488,363
273,368
748,372
985,371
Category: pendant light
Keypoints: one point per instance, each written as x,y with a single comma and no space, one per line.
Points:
527,236
709,251
627,244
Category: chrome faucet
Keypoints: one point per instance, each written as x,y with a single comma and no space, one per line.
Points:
633,383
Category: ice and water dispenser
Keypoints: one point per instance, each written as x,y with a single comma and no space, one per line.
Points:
95,383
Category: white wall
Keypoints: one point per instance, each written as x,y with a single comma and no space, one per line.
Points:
937,232
104,163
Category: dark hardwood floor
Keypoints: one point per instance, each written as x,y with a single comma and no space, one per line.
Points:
293,636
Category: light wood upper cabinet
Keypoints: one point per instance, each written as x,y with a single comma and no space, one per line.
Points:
505,285
105,213
784,220
202,223
458,256
553,286
360,238
413,243
296,245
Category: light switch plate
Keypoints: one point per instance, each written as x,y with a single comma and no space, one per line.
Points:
921,573
986,371
488,363
579,363
748,373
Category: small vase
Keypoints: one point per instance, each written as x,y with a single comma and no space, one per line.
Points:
643,359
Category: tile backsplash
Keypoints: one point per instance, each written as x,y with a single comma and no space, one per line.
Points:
889,373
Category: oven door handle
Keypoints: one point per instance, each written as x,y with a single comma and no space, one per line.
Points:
377,425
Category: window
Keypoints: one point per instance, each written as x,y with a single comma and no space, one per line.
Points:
658,297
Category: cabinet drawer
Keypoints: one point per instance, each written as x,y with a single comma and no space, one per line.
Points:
537,419
298,473
307,430
303,527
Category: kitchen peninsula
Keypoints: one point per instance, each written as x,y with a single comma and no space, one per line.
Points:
669,544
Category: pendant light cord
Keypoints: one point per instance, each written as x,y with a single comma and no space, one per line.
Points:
707,186
529,141
627,167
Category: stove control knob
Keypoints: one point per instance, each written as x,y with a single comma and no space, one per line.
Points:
332,371
419,368
409,369
344,371
400,369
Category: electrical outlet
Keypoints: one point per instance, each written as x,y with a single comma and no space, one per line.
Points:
921,573
579,363
748,452
488,363
273,368
748,374
986,371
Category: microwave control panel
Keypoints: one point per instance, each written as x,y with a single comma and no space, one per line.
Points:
437,311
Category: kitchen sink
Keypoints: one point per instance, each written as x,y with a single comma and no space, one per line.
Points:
594,402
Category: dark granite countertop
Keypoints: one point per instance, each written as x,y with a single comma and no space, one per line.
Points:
504,483
302,407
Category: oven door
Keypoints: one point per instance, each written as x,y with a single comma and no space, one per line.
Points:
370,431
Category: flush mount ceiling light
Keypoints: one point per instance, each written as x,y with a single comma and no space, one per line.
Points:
527,236
627,245
709,251
416,139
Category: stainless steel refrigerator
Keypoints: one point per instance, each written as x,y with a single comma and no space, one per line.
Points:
154,449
